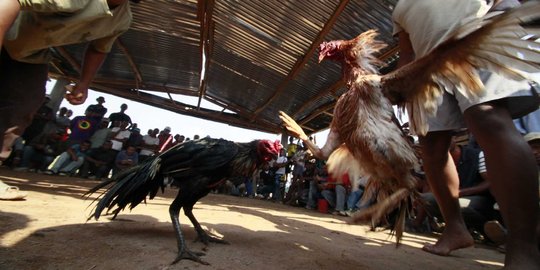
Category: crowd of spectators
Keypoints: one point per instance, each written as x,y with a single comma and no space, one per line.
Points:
296,178
90,146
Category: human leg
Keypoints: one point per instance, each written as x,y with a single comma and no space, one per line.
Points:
292,193
47,160
85,168
476,211
60,161
425,211
443,178
512,175
101,171
353,199
330,197
277,186
312,195
22,89
72,166
28,153
341,194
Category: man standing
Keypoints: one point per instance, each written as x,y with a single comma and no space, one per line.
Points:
34,27
120,135
165,139
279,176
150,144
121,116
421,25
97,110
82,128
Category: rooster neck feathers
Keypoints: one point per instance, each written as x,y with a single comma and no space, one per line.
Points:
357,56
360,56
246,159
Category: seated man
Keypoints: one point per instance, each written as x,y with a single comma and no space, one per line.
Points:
126,159
99,161
311,178
41,151
354,200
336,193
70,160
267,177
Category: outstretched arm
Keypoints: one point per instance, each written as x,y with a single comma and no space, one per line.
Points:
406,51
92,61
9,10
332,142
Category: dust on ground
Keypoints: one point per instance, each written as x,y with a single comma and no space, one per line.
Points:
49,230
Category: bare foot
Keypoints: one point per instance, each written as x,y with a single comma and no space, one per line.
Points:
522,257
450,241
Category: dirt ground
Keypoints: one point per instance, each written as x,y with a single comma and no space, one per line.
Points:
49,230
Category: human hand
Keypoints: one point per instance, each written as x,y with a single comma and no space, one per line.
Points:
76,94
292,126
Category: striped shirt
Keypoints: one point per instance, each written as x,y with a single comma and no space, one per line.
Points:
481,162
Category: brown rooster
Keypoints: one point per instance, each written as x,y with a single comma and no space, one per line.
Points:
362,127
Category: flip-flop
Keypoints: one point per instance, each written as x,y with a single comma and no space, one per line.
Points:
12,193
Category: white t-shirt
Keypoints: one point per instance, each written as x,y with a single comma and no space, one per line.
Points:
149,140
116,143
444,16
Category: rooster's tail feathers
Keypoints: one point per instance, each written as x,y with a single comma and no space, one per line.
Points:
129,187
341,161
377,212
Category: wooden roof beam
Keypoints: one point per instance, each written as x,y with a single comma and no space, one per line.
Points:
134,68
331,89
186,109
318,112
206,9
302,61
238,110
128,84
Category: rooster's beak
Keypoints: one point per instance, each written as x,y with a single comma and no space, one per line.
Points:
321,57
323,49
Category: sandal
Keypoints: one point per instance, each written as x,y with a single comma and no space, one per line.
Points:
12,193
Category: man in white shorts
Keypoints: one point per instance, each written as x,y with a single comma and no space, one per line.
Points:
421,25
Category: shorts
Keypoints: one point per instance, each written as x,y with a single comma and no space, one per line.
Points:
54,6
519,97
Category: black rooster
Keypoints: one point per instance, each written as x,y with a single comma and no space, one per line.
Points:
195,167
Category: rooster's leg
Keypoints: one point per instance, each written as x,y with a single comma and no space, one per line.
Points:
183,251
202,235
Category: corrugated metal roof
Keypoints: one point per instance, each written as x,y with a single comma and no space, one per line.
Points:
253,58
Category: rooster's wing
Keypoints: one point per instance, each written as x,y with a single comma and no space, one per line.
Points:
502,43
